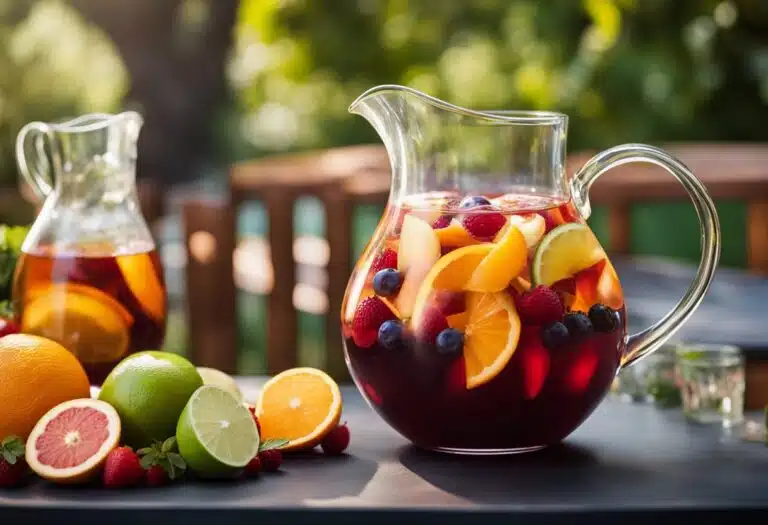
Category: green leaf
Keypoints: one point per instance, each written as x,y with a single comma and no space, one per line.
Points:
10,458
144,451
269,444
147,461
12,448
169,445
177,461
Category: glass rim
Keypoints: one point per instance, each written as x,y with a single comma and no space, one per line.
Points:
709,353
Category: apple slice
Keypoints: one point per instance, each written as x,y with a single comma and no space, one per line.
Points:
531,225
419,251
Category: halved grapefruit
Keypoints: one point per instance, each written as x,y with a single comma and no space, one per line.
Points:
71,441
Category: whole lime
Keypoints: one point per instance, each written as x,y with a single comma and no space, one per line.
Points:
149,390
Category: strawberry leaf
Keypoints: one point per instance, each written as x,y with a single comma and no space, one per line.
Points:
144,451
177,461
270,444
148,461
12,449
169,445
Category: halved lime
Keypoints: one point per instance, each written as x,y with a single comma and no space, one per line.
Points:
212,376
564,252
216,434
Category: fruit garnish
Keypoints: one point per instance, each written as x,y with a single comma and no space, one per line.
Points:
419,251
564,252
301,405
473,201
391,334
90,323
582,370
71,442
8,327
387,282
597,284
579,326
502,264
458,321
539,306
165,456
604,318
531,225
149,390
609,290
156,476
252,409
254,466
386,259
490,337
449,302
431,323
122,469
36,374
12,464
369,316
216,434
442,222
455,235
485,225
214,377
535,362
554,335
552,218
337,441
450,342
144,280
270,460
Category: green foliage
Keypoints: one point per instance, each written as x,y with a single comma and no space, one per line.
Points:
11,239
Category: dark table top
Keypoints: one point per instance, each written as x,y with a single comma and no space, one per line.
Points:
733,311
627,464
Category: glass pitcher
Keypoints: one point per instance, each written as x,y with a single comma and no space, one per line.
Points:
89,276
484,317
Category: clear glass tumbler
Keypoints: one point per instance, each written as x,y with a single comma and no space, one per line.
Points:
712,383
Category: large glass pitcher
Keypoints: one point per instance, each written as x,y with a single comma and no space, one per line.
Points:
484,317
89,276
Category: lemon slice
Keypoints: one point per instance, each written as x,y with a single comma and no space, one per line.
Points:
564,252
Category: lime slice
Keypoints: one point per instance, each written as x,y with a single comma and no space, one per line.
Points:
212,376
216,434
564,252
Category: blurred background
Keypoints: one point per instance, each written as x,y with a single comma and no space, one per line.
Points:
224,81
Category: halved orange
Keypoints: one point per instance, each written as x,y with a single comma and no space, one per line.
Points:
502,264
490,336
71,441
301,405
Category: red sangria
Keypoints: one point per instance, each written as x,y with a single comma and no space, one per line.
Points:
484,324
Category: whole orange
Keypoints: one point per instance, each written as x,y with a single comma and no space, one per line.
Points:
36,374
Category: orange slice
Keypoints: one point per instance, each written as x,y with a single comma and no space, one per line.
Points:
490,336
143,281
451,272
455,235
70,443
502,264
419,251
301,405
609,290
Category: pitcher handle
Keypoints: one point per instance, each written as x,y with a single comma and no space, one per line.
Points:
645,342
38,173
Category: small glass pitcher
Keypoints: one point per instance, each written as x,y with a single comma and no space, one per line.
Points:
484,317
89,276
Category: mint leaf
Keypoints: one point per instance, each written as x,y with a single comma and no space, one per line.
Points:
11,449
269,444
177,461
144,451
169,445
147,461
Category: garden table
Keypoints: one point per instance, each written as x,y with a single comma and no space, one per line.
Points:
627,464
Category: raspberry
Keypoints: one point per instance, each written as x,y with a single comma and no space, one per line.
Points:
122,468
254,466
336,441
386,259
483,226
441,222
12,464
270,460
432,324
370,314
540,306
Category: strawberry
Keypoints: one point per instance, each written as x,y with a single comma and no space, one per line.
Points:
336,441
162,462
252,410
370,314
539,306
270,459
254,466
386,259
122,468
433,322
8,326
12,464
483,226
441,222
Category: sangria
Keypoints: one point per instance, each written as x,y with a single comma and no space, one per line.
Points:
484,323
99,304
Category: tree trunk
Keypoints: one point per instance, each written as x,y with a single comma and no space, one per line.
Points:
177,75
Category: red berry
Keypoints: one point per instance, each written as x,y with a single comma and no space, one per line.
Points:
252,410
12,464
254,467
8,327
157,476
485,225
370,314
270,460
385,259
122,468
433,322
442,222
535,362
336,441
539,306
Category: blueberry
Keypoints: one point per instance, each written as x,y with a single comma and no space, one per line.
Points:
450,341
554,335
578,324
603,318
390,334
472,201
386,282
